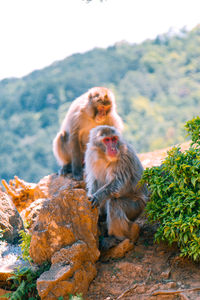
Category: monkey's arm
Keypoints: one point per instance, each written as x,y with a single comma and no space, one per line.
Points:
114,189
93,188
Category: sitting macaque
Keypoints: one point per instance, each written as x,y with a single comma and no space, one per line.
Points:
113,171
96,107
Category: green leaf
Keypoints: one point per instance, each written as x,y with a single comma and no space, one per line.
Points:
185,238
193,180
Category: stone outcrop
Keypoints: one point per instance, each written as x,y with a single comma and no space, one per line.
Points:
10,220
64,232
21,192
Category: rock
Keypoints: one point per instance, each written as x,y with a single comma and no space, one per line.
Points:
165,274
65,233
9,260
10,220
30,213
68,262
24,193
21,192
4,292
49,185
46,188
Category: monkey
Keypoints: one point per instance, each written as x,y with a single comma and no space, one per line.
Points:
112,173
95,107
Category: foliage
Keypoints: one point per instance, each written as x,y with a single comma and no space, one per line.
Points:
2,231
24,282
175,195
25,245
77,297
193,127
157,89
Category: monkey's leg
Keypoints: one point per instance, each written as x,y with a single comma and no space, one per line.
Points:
77,159
102,224
108,242
66,169
105,242
120,215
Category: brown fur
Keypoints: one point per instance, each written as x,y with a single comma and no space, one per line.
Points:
84,114
113,183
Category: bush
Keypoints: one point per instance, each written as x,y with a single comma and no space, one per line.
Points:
175,195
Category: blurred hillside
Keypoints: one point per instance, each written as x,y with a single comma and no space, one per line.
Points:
157,87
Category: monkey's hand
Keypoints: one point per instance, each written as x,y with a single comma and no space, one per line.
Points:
94,201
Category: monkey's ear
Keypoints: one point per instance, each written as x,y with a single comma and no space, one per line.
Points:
90,96
106,97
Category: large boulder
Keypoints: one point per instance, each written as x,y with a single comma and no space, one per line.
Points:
65,233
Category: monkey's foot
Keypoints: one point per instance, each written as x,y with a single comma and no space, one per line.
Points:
108,242
118,251
134,232
66,169
77,172
78,176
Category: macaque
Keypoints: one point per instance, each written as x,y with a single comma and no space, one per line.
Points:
113,171
96,107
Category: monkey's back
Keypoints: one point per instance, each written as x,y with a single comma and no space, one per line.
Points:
74,113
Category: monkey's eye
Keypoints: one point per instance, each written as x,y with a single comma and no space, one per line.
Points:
106,140
114,139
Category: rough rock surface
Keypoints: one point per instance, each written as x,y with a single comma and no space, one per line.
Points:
10,260
65,233
21,192
10,220
2,293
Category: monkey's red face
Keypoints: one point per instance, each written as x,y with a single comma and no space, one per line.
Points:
111,143
102,111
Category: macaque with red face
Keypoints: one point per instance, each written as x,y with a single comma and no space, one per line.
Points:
96,107
113,171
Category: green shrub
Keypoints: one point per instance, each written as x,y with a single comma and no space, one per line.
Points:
76,297
175,195
25,245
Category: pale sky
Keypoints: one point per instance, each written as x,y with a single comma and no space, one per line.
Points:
35,33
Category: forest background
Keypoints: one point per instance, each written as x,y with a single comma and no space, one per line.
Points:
157,89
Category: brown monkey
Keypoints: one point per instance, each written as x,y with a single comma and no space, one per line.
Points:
96,107
112,173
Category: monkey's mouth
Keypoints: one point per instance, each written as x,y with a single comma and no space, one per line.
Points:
112,158
101,114
100,119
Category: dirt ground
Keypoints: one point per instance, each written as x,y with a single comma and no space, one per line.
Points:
148,271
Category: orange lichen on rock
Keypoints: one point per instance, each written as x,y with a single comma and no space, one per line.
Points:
64,232
21,192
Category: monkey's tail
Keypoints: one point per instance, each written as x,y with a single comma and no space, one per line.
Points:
60,148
